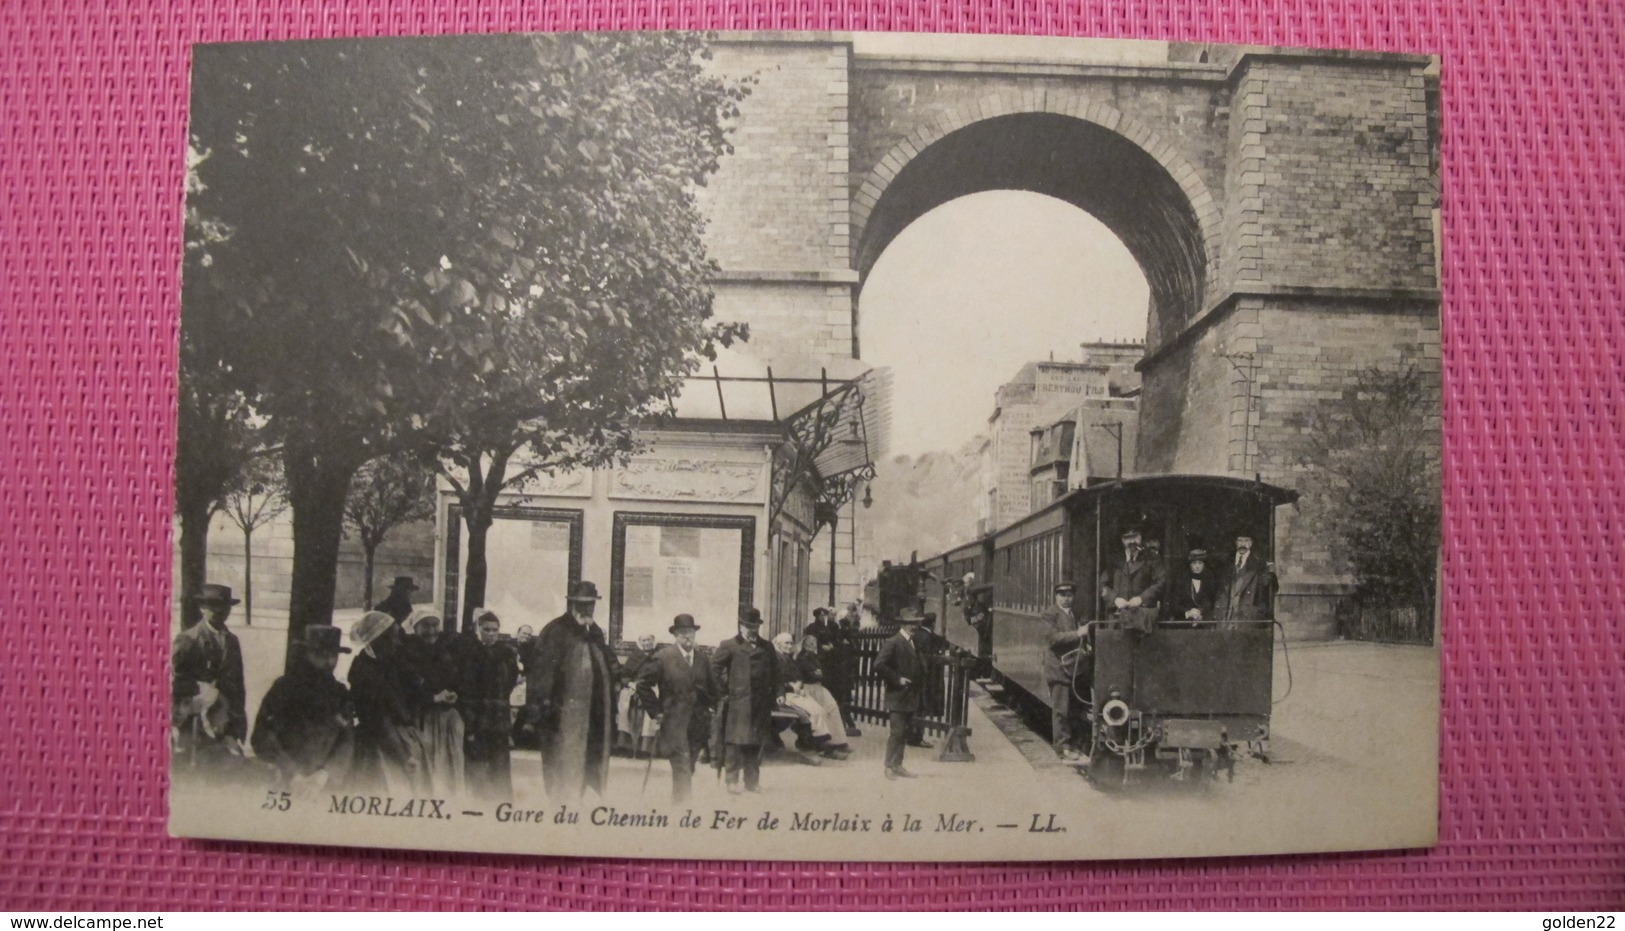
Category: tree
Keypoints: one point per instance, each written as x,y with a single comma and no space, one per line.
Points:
432,242
386,493
1376,454
214,434
255,499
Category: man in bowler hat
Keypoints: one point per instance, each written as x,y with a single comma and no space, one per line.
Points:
675,688
745,671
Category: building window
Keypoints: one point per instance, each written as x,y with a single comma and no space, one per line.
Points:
663,565
532,557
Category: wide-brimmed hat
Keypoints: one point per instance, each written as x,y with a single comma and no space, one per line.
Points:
1130,532
823,612
583,591
910,616
403,583
372,625
323,638
211,594
683,622
751,617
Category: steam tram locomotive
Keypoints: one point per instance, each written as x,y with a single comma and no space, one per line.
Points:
1183,695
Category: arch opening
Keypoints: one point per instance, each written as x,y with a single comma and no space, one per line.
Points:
1081,163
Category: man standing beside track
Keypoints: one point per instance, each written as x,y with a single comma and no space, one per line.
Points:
1068,671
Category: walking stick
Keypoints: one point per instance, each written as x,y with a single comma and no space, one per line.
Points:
637,741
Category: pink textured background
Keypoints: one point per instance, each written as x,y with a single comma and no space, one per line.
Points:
92,117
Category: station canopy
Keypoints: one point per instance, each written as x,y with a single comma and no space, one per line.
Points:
834,412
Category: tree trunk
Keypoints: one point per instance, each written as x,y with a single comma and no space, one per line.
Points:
194,556
371,550
248,576
317,484
477,517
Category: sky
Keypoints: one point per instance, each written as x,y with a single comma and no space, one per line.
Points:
977,288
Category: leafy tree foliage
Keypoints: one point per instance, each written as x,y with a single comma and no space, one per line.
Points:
387,492
454,246
1377,456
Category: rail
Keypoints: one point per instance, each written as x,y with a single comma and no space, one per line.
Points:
944,695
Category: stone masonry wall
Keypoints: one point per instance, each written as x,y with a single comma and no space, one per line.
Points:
789,318
1330,182
779,202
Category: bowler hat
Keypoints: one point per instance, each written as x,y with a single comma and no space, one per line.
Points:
683,622
212,594
583,591
403,583
910,616
323,638
751,617
1062,588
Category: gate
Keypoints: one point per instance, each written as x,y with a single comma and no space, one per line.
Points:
945,692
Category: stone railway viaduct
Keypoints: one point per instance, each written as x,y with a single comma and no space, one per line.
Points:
1281,203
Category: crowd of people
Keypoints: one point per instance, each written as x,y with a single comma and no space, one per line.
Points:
426,713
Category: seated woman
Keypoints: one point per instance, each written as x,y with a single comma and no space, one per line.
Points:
809,662
820,723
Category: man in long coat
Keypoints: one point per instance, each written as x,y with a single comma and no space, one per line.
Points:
675,687
898,664
1068,671
1248,591
570,688
745,671
208,698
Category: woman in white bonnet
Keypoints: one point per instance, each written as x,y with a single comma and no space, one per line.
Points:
389,754
436,677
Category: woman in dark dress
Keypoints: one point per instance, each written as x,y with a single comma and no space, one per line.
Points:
389,755
432,660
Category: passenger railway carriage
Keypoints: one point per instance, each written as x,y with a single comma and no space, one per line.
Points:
1185,694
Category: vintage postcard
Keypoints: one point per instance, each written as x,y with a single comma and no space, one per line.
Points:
815,446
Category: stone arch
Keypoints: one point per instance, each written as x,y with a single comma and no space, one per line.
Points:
1085,153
